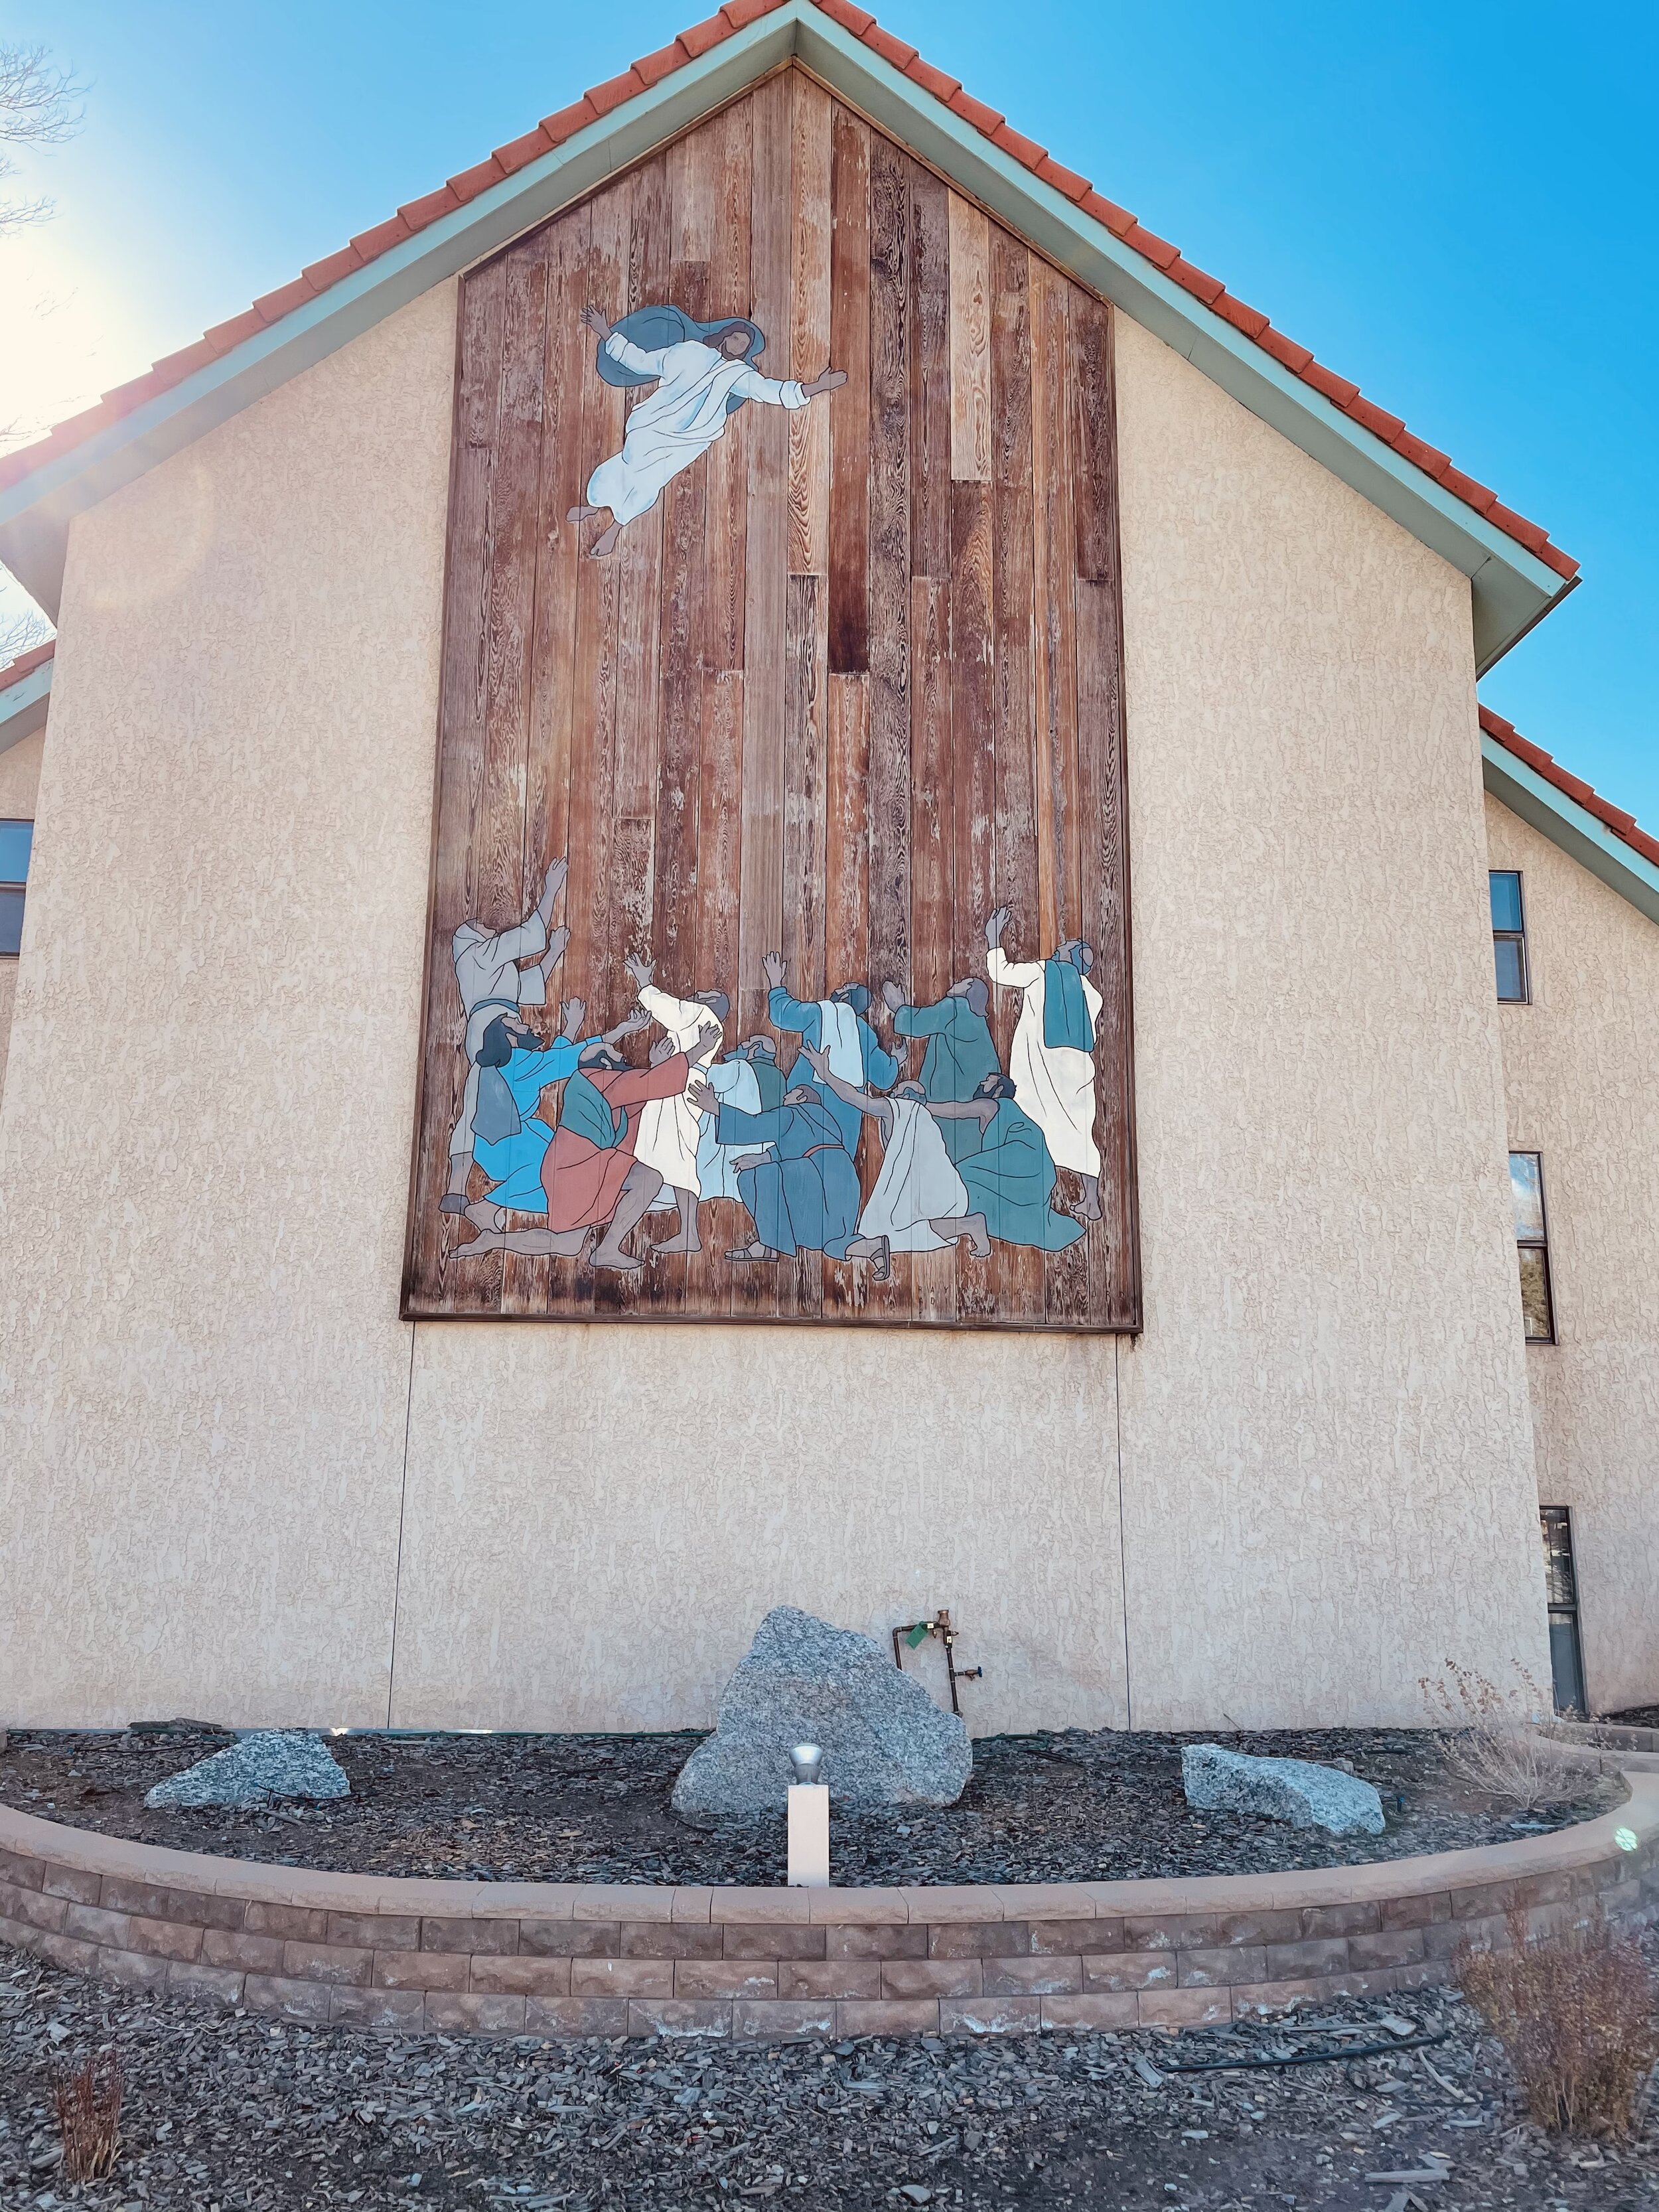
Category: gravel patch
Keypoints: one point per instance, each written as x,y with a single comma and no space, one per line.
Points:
226,2113
1070,1806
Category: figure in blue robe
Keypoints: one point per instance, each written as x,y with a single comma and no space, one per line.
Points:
800,1184
960,1052
1010,1179
856,1052
513,1164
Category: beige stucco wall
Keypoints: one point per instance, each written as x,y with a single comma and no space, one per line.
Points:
220,1452
1581,1066
20,773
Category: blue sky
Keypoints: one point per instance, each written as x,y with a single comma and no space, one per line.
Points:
1452,202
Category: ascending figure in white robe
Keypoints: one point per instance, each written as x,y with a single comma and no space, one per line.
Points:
1052,1059
669,1128
698,385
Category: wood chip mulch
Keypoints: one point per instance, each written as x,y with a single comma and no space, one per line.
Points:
1068,1806
226,2113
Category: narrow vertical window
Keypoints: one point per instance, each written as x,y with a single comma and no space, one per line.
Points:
1532,1241
1561,1596
15,839
1509,934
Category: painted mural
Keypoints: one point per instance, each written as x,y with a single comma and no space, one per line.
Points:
779,963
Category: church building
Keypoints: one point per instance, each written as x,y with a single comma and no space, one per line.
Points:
757,865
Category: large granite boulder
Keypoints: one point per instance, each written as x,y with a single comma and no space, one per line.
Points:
885,1741
1293,1789
268,1763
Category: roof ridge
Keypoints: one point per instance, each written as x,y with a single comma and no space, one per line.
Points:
649,71
1622,824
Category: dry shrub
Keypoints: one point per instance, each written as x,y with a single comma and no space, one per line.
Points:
89,2100
1575,2011
1490,1746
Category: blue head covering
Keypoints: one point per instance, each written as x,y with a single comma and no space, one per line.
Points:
651,329
1066,1021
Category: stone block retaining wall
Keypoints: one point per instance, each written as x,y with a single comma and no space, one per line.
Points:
575,1959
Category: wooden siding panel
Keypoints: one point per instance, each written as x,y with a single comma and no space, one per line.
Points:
852,680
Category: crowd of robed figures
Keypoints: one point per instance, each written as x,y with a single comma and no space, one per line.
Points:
969,1150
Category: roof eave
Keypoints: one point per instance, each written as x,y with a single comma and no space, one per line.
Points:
1511,589
1572,826
23,705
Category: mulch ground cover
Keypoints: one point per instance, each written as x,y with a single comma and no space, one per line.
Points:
1070,1806
226,2113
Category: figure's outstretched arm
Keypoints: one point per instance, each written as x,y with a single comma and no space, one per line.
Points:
820,1064
982,1110
594,321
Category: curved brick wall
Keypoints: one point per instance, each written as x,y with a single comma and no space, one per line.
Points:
574,1958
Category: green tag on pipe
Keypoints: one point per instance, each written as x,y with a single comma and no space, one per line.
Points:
918,1634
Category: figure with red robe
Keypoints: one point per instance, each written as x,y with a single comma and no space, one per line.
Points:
589,1172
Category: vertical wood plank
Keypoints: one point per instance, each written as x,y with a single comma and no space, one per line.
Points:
728,141
809,330
970,344
766,433
460,764
849,420
890,563
931,410
516,501
1054,548
1093,465
1014,864
1114,1269
846,876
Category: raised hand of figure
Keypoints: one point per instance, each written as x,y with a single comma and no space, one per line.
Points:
996,926
641,970
556,940
570,1016
825,380
557,873
817,1061
626,1029
704,1098
891,997
594,321
773,968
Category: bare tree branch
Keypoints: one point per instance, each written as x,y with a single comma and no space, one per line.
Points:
22,635
40,105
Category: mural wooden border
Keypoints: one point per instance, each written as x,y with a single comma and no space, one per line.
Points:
778,964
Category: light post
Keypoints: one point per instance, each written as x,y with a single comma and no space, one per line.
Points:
809,1821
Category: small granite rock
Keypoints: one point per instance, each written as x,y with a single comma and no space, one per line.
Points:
1293,1789
266,1763
885,1740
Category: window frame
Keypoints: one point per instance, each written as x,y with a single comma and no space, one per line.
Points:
1540,1244
1562,1607
18,883
1516,937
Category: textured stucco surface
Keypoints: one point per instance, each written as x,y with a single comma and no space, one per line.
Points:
1327,1461
204,1135
20,774
206,1405
1581,1066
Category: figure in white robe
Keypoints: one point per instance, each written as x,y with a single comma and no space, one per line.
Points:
701,380
491,983
670,1128
1052,1059
734,1082
920,1203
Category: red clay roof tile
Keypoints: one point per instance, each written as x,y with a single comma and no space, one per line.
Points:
688,46
935,80
1622,824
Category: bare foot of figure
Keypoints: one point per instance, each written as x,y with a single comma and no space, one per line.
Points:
605,543
1092,1210
615,1261
954,1226
685,1238
581,513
